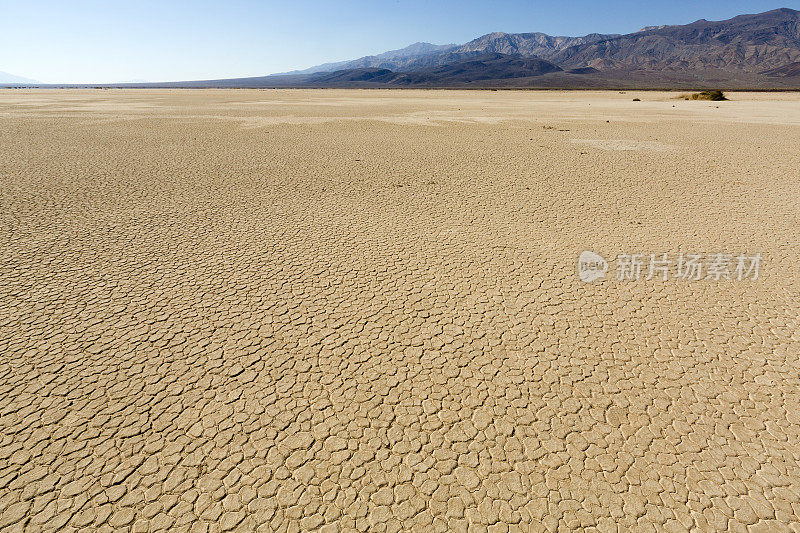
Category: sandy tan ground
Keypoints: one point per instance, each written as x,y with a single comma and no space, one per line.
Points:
355,310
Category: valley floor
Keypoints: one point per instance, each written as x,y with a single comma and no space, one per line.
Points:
361,310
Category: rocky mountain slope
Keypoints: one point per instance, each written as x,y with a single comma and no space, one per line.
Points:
747,43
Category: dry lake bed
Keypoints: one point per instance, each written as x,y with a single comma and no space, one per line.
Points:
344,310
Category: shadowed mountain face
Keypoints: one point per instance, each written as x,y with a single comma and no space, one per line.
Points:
792,69
476,69
381,75
492,66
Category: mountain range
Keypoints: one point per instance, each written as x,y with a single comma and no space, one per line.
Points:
746,52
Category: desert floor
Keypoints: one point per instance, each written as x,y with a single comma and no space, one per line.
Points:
361,310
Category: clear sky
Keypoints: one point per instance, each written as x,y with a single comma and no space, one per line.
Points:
84,41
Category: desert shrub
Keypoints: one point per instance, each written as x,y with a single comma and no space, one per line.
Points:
637,99
714,96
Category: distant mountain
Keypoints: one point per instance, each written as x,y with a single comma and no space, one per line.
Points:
416,49
5,77
420,56
648,28
410,62
528,44
393,58
761,50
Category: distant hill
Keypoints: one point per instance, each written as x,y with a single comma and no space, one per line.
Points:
392,59
5,77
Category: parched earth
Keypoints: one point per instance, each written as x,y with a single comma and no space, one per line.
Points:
360,310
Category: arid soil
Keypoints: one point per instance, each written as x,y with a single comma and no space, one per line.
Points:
361,310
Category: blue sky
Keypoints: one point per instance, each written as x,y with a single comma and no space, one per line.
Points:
110,41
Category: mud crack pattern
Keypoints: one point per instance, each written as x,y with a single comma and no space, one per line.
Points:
359,311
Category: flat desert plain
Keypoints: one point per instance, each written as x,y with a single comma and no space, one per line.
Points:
345,310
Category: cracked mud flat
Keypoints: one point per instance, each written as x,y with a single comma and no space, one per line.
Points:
359,310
